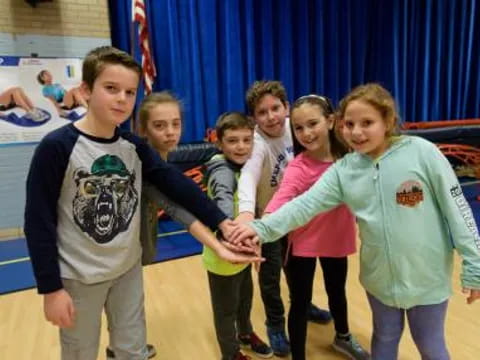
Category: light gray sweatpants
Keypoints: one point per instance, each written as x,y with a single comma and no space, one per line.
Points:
123,301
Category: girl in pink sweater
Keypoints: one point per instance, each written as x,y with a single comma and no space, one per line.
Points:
330,236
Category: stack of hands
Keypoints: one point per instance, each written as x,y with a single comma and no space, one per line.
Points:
240,244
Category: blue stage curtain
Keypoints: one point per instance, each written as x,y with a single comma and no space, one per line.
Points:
209,51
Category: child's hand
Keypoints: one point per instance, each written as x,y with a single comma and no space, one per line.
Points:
245,217
257,264
249,246
241,234
226,227
59,309
473,294
237,258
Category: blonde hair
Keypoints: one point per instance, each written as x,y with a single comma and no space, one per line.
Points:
150,102
378,97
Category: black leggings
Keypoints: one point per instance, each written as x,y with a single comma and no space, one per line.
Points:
300,272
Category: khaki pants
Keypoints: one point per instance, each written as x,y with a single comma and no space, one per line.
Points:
123,301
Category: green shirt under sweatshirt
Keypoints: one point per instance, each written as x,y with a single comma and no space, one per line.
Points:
222,176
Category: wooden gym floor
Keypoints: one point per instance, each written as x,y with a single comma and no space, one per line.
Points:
179,319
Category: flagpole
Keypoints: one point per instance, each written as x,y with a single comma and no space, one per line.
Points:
132,52
148,66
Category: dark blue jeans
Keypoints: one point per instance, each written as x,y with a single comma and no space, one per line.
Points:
427,323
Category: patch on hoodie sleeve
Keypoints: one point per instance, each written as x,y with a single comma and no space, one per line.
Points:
410,193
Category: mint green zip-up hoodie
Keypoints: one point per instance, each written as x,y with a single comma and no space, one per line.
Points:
411,213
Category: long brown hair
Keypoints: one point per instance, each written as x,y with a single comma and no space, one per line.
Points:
338,147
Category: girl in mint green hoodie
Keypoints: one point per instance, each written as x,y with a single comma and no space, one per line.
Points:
411,213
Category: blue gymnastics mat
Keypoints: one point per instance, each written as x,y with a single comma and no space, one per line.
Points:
16,270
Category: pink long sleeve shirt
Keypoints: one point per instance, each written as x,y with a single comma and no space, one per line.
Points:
330,234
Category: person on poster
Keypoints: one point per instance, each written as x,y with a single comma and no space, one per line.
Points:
16,97
63,99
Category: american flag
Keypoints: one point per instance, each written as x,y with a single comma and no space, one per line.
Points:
148,66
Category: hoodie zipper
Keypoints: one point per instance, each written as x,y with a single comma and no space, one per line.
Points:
376,178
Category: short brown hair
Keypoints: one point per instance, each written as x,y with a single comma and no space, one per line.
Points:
153,100
379,98
261,88
232,120
96,60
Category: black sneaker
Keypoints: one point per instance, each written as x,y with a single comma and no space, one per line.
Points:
317,315
150,348
255,344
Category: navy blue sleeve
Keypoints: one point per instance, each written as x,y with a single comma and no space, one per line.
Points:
175,185
44,183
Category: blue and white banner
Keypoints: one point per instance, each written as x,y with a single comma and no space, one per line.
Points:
38,95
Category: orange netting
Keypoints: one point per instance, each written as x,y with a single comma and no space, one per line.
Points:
211,136
437,124
468,155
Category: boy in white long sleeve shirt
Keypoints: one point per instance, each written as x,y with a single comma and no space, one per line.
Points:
273,149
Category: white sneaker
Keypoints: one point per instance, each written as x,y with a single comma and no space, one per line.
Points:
351,348
37,115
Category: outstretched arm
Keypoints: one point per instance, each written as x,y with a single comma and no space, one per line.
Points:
206,237
324,195
179,188
197,229
175,211
248,182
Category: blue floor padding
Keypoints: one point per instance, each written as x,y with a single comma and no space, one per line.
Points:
12,249
175,246
17,276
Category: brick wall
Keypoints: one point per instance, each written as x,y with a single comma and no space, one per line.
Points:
83,18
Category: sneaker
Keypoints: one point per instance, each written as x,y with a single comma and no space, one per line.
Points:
242,356
278,342
35,115
351,348
317,315
151,352
260,348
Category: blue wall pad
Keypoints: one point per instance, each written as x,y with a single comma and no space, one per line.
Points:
175,242
13,250
16,270
16,276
